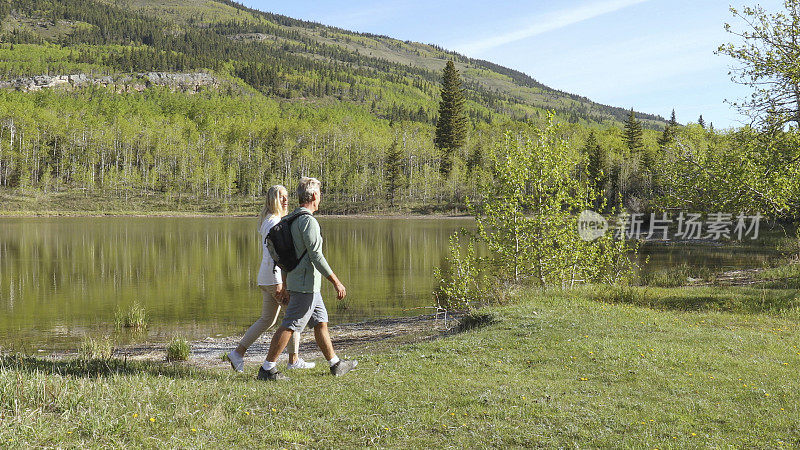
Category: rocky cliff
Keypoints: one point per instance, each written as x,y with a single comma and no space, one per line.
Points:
183,82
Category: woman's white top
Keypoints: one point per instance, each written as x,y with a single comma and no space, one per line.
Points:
268,274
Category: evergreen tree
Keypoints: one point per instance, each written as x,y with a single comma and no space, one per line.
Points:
451,128
394,171
668,136
632,135
701,122
595,156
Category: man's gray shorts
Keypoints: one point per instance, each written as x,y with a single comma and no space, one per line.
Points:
304,309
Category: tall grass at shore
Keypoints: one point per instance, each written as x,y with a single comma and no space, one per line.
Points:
134,316
178,349
95,348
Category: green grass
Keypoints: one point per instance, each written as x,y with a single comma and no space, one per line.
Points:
552,370
784,276
178,349
757,299
135,316
677,276
91,348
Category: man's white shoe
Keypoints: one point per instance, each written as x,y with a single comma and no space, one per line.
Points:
237,362
301,364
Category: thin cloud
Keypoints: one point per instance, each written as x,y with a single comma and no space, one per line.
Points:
549,22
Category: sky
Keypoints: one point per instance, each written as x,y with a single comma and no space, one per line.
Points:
650,55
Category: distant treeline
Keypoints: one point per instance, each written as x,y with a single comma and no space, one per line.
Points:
216,145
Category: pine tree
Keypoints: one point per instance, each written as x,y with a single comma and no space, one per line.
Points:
594,162
451,128
632,135
668,136
394,171
701,122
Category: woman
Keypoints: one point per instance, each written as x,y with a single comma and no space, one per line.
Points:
271,284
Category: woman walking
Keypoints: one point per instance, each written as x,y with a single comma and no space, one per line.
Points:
271,284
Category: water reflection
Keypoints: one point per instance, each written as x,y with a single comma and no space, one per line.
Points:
63,277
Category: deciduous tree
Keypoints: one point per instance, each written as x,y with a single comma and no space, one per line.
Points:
768,54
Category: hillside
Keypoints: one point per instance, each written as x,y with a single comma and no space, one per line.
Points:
280,56
141,106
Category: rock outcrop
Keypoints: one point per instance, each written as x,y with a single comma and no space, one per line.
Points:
183,82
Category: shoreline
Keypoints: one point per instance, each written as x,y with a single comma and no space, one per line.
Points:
349,338
180,214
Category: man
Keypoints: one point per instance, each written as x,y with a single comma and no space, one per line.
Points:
303,285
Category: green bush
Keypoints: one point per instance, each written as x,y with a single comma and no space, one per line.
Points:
178,349
134,317
457,287
527,227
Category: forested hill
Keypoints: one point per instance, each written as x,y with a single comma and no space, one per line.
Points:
278,56
204,104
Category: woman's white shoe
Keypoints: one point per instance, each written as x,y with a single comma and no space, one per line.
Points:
301,364
237,362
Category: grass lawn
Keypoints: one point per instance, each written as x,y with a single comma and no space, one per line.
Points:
560,370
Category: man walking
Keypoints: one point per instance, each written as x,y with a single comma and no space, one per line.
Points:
303,285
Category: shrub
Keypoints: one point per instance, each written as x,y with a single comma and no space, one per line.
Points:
457,283
178,349
527,224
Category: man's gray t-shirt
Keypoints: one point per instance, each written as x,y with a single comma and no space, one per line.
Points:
307,276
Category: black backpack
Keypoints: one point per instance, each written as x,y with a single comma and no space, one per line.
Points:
281,246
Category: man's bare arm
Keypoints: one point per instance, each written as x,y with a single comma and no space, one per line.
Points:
341,292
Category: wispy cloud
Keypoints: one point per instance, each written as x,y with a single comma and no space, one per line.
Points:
548,22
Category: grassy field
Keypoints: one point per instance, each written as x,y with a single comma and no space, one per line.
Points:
583,369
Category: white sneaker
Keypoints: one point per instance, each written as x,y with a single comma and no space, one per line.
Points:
301,364
237,362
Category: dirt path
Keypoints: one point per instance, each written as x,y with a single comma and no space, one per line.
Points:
348,339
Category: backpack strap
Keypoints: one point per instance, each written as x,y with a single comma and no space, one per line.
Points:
289,221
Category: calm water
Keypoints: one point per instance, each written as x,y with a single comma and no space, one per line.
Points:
62,278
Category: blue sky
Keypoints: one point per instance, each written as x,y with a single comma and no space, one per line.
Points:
652,55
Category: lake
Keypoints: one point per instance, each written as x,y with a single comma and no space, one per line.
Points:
63,278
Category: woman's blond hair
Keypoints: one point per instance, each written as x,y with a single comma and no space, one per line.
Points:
272,203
